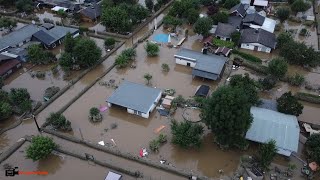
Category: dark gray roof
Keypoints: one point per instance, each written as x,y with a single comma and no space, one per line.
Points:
203,90
18,36
47,25
268,104
92,12
235,21
134,96
238,8
254,18
44,37
225,30
209,66
4,57
60,31
258,36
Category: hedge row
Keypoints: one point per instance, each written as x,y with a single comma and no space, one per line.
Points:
308,97
247,57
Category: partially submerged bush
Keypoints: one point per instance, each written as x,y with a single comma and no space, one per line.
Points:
94,114
109,42
154,145
58,121
296,80
152,49
165,67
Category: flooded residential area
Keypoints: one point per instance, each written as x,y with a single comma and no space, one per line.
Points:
184,90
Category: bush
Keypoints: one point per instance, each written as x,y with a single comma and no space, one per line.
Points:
299,6
130,53
94,111
40,148
267,83
289,104
147,77
266,153
21,98
246,56
165,67
296,80
278,67
308,97
154,145
109,42
313,148
162,138
58,121
152,49
186,134
283,14
83,29
303,32
222,43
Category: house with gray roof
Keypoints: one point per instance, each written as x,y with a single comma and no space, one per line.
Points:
209,66
235,21
254,18
91,13
224,31
137,98
268,124
238,10
258,40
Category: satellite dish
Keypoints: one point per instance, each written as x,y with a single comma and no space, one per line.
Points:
33,22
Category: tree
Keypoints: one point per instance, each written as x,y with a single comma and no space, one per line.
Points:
109,42
235,36
148,77
107,3
86,52
7,23
149,4
130,53
193,15
283,13
220,17
58,121
227,114
299,6
283,39
289,104
278,67
20,97
172,21
138,13
213,9
246,84
313,147
66,61
123,59
116,19
180,8
7,3
267,83
185,134
62,13
230,3
266,153
1,82
5,110
69,43
40,148
35,54
202,26
207,2
296,79
94,111
24,6
165,67
152,49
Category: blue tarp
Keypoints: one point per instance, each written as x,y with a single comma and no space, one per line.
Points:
161,38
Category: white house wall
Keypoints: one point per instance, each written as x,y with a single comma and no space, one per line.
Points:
155,103
251,46
184,62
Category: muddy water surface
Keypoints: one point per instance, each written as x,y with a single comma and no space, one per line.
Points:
47,13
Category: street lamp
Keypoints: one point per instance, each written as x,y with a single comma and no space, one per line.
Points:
35,120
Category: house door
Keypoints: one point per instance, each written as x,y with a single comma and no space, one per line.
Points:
188,64
256,48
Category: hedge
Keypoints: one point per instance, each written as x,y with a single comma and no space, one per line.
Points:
222,43
246,56
308,97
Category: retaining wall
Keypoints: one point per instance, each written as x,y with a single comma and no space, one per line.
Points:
12,149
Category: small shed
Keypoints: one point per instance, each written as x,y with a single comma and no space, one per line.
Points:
202,91
113,176
166,102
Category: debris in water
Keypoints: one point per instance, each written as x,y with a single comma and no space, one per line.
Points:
101,143
143,152
113,142
103,108
157,130
114,125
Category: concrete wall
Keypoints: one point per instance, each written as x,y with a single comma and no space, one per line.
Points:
251,46
184,62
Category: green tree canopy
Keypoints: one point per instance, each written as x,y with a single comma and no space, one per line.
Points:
220,17
299,6
203,26
36,55
227,114
7,23
138,13
193,15
267,83
186,134
24,6
58,121
149,4
266,153
289,104
109,41
313,147
40,148
148,77
5,110
152,49
180,8
116,19
236,37
66,61
283,39
283,13
173,21
69,43
278,67
230,3
248,85
21,98
206,2
86,52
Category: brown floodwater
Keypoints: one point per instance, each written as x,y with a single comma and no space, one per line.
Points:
47,13
100,43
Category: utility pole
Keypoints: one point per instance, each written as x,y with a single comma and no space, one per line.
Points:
35,120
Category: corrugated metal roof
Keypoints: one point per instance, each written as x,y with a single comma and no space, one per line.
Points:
268,124
134,96
204,74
